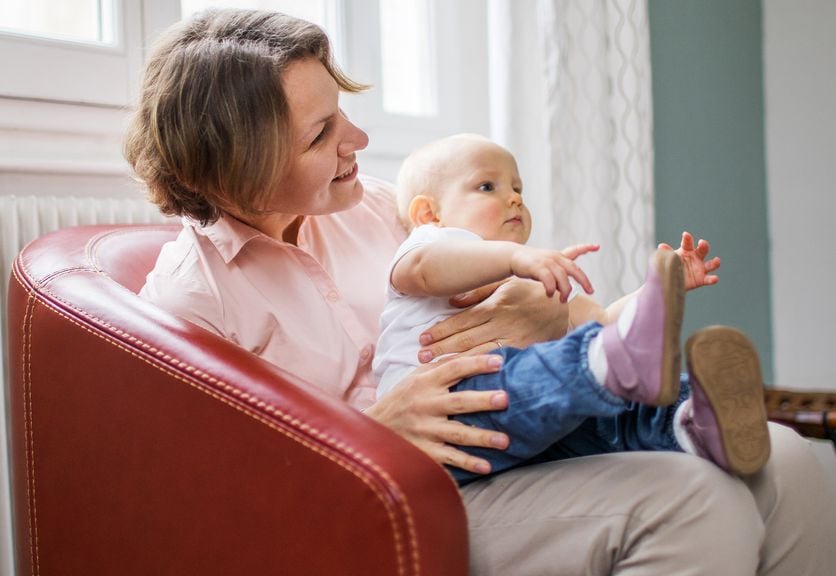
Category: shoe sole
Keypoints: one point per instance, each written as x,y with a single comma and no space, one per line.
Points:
669,268
726,366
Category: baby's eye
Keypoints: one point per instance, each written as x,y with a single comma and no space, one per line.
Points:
486,187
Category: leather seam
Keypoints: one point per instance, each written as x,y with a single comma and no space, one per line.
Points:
91,245
29,435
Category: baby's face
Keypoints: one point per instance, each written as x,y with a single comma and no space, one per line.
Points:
483,193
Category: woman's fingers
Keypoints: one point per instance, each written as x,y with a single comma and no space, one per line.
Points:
458,434
476,336
419,409
457,330
485,348
474,296
469,401
518,312
448,372
451,456
451,434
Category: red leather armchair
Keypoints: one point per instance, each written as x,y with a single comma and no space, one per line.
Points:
142,444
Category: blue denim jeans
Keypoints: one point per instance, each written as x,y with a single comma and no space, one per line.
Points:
557,410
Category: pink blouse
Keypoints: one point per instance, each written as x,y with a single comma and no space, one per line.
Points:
311,309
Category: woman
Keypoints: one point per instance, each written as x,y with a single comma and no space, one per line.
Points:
239,130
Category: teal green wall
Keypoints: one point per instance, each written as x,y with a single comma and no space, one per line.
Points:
708,114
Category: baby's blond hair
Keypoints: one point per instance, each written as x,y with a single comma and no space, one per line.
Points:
423,172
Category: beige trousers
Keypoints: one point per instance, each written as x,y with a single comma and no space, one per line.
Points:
654,514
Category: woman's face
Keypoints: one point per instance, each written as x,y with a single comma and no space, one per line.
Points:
322,170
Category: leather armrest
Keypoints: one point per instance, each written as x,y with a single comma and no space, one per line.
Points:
142,444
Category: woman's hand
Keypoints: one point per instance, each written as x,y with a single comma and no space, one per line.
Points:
511,313
697,270
418,408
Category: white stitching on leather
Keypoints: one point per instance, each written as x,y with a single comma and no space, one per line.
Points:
29,434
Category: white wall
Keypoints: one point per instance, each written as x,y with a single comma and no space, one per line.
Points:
800,93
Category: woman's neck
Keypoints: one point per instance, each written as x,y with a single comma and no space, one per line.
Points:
291,231
281,227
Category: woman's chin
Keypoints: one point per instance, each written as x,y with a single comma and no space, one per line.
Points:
346,194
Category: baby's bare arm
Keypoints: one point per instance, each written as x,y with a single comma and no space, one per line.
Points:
449,268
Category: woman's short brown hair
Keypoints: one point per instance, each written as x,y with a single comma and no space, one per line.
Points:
212,128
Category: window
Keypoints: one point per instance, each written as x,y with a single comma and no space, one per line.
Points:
71,20
326,13
85,51
425,59
408,59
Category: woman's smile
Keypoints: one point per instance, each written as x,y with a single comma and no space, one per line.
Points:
349,174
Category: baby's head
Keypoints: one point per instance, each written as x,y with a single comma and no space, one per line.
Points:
464,181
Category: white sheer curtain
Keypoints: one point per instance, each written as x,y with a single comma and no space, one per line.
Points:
571,97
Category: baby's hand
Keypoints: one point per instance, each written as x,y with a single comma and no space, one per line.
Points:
552,267
696,268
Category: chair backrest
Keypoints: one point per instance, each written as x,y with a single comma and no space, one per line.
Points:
142,444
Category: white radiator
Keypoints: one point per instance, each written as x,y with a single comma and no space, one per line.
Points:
22,219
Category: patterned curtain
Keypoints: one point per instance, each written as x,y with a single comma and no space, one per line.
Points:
571,96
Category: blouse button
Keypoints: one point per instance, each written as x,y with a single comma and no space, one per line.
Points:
333,296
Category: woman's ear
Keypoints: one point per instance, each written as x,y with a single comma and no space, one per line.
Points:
422,210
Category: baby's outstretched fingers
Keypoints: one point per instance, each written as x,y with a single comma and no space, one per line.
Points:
703,248
687,242
561,276
548,279
573,252
579,275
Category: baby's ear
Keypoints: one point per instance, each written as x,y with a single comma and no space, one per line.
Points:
422,210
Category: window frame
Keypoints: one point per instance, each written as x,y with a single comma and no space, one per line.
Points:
460,44
37,67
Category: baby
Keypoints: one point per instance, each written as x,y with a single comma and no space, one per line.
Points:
612,383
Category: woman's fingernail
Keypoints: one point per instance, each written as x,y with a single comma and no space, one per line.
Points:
499,441
495,361
460,297
499,400
425,339
425,355
483,467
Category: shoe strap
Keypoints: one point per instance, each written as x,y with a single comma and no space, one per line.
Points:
621,373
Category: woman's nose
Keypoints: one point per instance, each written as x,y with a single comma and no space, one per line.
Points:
353,140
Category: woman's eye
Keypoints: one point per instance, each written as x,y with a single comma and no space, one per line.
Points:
486,187
320,137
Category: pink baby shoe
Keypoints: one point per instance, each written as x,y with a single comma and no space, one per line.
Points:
725,417
644,365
